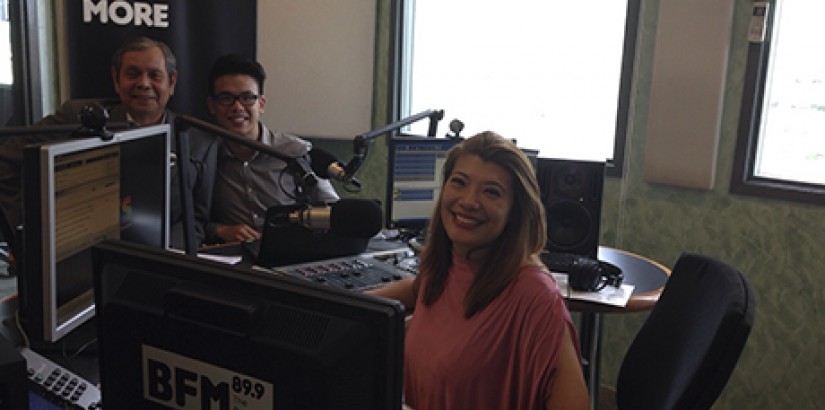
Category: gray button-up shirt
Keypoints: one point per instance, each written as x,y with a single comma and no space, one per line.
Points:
244,190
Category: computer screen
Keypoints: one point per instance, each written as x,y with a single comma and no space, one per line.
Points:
77,193
176,331
415,176
414,179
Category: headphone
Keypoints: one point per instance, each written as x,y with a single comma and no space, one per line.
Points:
590,275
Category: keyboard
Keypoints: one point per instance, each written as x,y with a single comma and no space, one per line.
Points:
559,262
55,384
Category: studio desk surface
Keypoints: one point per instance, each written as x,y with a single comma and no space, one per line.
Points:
647,276
75,356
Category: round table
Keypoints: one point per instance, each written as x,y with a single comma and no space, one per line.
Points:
648,278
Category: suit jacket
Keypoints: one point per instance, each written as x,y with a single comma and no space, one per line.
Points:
201,165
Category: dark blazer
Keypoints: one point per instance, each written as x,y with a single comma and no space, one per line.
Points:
202,165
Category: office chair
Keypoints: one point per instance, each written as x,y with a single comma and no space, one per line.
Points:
685,352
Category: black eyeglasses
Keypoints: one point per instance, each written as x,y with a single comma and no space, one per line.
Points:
228,99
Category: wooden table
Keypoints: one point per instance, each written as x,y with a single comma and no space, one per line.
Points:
648,277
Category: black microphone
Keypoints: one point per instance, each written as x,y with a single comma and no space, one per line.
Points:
303,171
94,116
360,218
327,166
456,126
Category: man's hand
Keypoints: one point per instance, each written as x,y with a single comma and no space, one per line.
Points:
237,233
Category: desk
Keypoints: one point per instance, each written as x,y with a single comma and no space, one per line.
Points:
648,277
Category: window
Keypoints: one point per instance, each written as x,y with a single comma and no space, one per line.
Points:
553,75
780,149
5,46
27,73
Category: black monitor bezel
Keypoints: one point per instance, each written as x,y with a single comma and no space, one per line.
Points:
177,273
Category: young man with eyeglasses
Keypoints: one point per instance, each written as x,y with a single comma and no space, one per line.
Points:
248,182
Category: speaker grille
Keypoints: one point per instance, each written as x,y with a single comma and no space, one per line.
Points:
570,225
572,195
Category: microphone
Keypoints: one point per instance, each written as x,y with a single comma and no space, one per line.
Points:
94,116
327,166
360,218
303,171
456,126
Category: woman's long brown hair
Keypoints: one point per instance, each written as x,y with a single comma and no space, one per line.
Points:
523,236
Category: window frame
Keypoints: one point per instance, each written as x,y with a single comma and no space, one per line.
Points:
29,42
743,180
615,166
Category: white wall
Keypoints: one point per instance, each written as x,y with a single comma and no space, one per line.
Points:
318,55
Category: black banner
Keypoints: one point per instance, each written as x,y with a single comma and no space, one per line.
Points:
197,31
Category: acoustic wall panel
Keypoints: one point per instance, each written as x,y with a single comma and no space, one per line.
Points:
687,86
319,57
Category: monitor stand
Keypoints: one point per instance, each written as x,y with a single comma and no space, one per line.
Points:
82,339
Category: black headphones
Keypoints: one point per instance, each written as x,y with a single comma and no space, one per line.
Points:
590,275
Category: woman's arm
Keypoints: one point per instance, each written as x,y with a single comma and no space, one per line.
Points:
568,390
403,290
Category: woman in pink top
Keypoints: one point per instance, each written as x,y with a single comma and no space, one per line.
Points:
490,329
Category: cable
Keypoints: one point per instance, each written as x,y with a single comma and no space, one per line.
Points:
79,350
19,327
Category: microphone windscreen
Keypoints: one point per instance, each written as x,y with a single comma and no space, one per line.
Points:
321,160
360,218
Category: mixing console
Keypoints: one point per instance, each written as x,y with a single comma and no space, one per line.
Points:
360,272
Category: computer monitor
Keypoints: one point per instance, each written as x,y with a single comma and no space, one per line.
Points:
414,179
77,193
176,331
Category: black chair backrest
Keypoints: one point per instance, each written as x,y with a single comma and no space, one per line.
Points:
685,352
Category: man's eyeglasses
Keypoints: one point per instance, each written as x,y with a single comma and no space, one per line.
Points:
228,99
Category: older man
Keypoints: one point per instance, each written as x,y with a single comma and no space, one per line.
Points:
144,74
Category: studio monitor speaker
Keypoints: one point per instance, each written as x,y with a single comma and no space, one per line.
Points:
572,195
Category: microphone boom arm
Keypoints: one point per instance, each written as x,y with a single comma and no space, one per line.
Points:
361,142
304,176
295,164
